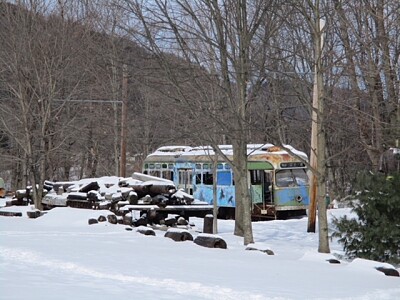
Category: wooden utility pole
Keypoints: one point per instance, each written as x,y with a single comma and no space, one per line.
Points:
316,126
124,118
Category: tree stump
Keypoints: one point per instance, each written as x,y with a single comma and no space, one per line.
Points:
208,224
179,235
210,241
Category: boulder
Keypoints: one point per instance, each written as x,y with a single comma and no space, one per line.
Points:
92,221
101,218
112,219
388,271
146,231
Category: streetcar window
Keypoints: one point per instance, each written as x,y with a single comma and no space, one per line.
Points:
301,176
151,166
220,166
294,177
155,173
208,178
164,166
224,178
198,166
255,177
170,166
198,178
168,175
146,166
206,166
227,167
158,166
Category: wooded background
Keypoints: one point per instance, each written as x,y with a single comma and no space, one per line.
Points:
189,64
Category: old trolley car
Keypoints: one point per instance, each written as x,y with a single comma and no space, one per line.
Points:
277,179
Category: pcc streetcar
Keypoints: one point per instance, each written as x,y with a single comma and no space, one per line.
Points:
277,179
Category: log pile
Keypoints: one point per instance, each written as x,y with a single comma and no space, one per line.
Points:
118,195
107,193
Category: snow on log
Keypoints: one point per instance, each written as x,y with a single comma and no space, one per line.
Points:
92,186
144,177
210,241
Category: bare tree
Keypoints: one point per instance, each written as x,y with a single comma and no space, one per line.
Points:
39,59
221,37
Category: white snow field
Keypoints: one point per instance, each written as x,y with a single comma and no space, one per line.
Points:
60,256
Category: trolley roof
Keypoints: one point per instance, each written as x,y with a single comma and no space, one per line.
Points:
166,153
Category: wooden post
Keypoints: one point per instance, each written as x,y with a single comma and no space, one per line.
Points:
316,155
208,224
124,119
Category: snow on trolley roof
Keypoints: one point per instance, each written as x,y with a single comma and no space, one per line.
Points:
252,149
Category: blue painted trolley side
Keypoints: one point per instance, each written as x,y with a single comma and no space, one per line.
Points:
277,181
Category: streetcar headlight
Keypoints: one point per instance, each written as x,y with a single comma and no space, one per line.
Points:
299,198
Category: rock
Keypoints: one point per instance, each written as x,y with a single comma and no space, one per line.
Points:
146,231
112,219
210,241
388,271
179,235
92,221
267,251
33,214
101,218
333,261
127,220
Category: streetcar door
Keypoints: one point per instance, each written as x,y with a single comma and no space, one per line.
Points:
185,180
256,186
267,187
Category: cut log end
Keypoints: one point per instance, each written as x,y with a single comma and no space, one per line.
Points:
210,241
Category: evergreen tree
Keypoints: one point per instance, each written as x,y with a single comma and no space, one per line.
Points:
375,233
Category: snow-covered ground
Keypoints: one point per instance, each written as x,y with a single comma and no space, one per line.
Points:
60,256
